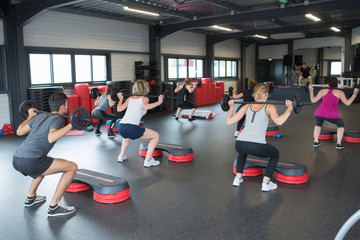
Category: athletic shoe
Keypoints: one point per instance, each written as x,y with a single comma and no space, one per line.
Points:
176,118
122,158
191,119
268,186
339,146
316,144
236,134
97,132
60,210
34,200
237,181
111,135
151,163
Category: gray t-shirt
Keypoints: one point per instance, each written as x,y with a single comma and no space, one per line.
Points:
103,104
36,143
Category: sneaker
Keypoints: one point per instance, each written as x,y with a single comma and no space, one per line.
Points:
122,158
236,134
34,200
268,186
60,210
97,132
316,144
111,135
339,146
191,119
151,163
237,181
176,118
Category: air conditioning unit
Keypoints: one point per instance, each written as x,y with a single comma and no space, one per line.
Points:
290,35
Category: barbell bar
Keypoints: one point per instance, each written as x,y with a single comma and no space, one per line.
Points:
296,101
231,89
198,84
80,118
306,87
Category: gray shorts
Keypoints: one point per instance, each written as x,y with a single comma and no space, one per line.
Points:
33,167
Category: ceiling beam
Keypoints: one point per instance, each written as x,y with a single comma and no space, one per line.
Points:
228,5
261,15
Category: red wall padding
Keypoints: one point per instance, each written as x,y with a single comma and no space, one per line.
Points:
212,93
206,80
218,94
82,90
73,102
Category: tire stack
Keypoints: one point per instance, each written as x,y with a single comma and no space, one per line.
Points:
40,96
73,103
171,103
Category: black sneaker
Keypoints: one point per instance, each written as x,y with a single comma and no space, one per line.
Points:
97,132
60,210
339,146
191,119
34,200
111,135
176,118
316,144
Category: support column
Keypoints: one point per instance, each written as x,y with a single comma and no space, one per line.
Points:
16,69
348,53
155,52
243,65
209,59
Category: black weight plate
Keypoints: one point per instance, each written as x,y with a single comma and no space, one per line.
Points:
24,107
297,103
225,102
80,118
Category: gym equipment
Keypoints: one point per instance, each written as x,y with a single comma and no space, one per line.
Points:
201,114
276,135
269,84
80,118
347,225
327,134
291,173
94,93
176,153
349,135
297,103
107,188
198,84
306,87
352,136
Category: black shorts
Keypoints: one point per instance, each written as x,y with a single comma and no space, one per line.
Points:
34,167
305,75
130,131
182,104
337,121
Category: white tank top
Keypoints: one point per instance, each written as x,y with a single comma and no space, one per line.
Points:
134,112
256,124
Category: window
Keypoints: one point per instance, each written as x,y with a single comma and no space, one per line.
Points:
60,69
225,68
179,68
335,68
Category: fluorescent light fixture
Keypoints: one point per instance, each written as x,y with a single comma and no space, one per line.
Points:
335,29
140,11
290,35
260,36
312,17
221,28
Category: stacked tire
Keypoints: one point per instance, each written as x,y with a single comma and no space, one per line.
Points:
40,96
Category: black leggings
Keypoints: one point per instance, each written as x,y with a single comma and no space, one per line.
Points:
182,104
102,115
337,121
258,150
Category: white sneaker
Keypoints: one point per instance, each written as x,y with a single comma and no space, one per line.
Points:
237,181
122,158
151,163
236,134
268,186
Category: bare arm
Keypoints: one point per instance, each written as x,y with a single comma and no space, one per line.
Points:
318,96
24,128
148,105
178,87
231,119
111,102
240,95
349,101
122,106
56,134
279,120
190,88
97,101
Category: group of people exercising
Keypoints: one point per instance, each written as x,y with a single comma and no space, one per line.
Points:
31,158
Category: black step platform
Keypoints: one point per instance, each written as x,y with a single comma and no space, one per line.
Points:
107,188
352,136
291,173
176,153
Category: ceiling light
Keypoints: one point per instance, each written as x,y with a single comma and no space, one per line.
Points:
312,17
335,29
260,36
221,28
140,11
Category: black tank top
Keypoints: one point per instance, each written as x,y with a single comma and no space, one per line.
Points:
183,94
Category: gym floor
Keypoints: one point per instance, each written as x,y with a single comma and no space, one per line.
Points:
194,200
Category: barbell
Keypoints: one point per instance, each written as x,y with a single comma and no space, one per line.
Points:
297,102
306,87
94,93
198,84
80,118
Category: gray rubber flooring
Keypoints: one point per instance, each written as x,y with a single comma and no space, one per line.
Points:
194,200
